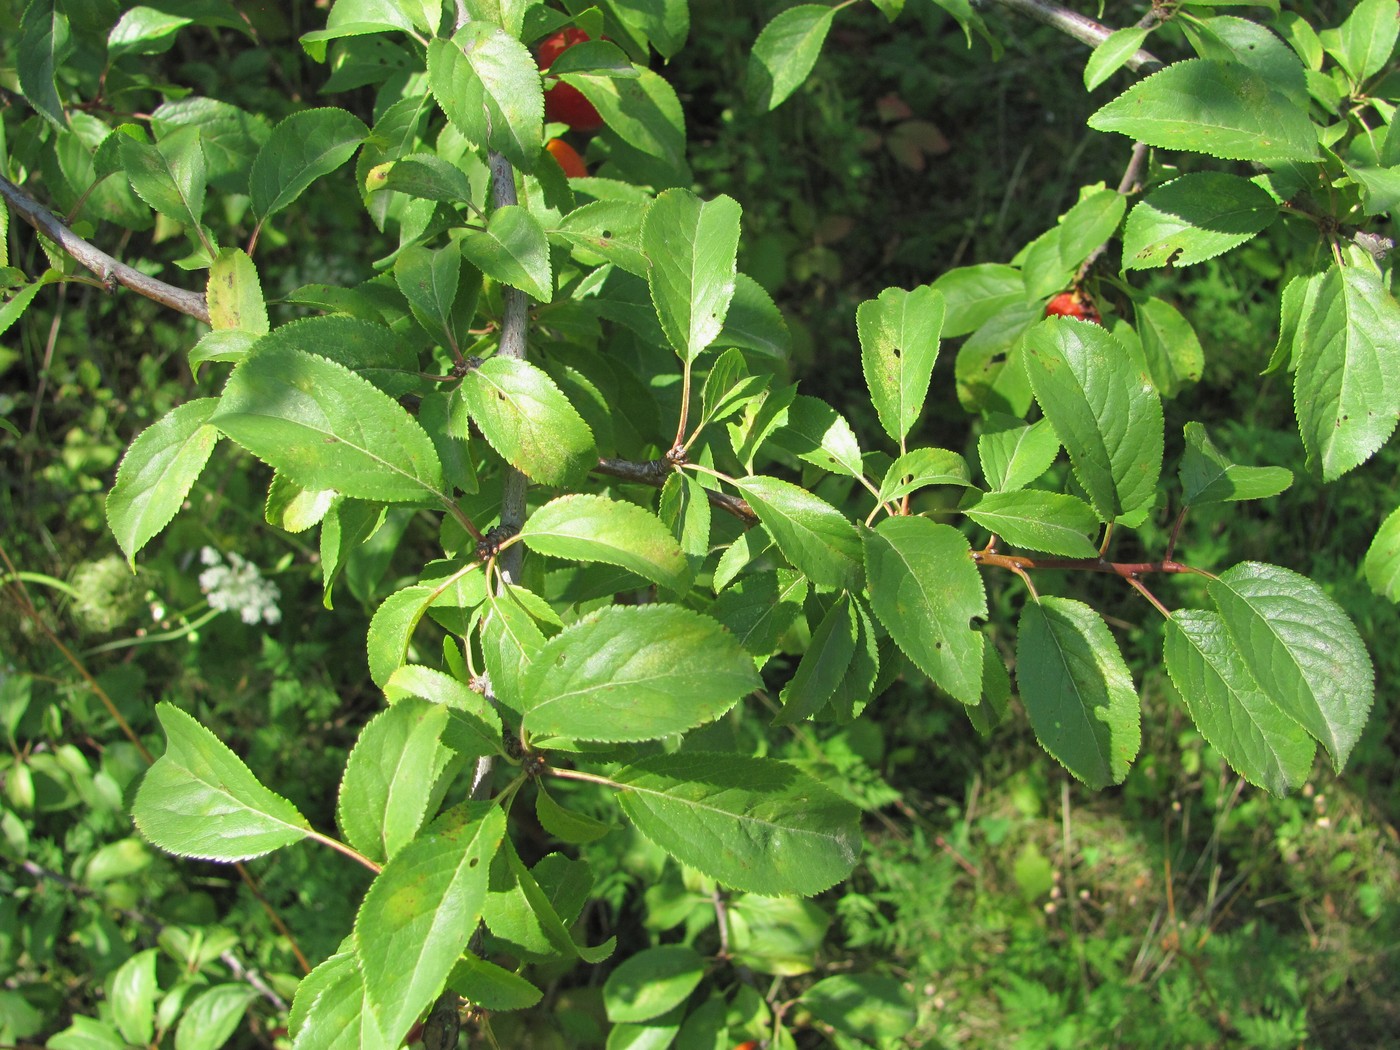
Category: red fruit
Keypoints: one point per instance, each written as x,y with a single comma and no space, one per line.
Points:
1073,304
752,1044
568,158
565,103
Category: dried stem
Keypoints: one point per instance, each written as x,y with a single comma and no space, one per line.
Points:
655,472
109,270
1081,27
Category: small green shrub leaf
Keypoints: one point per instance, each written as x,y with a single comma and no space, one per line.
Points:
44,41
760,606
1364,42
301,149
692,245
594,528
1224,109
475,726
823,665
817,433
785,52
421,911
635,673
1346,390
1194,218
1208,476
1014,453
1112,54
487,83
529,421
1383,558
1253,734
212,1017
754,824
1053,522
652,982
391,777
565,824
1301,648
512,249
491,987
169,176
132,994
1170,346
865,1006
643,111
391,630
198,778
330,1011
235,297
899,334
922,467
157,472
925,590
429,281
1077,690
817,538
1105,413
326,428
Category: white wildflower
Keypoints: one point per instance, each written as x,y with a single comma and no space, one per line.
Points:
239,587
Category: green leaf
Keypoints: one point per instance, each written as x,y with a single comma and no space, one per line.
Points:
817,433
754,322
143,31
595,528
391,777
512,249
1364,42
423,175
43,43
475,727
1383,558
229,136
635,673
235,297
975,294
1077,690
1014,453
576,828
760,607
823,665
866,1006
785,52
925,590
814,536
132,993
293,508
1053,522
429,280
1170,346
1301,648
487,83
200,800
491,987
212,1017
1221,108
1112,54
421,911
528,420
898,345
327,428
1236,716
643,111
1346,390
753,824
652,982
922,467
301,149
1105,413
1208,476
692,245
370,350
169,176
157,472
685,508
391,630
1194,218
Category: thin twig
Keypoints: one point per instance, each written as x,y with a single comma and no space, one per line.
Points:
1081,27
109,270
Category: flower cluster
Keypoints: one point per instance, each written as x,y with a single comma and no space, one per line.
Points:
239,587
